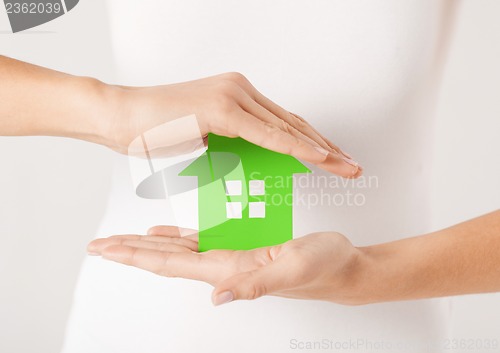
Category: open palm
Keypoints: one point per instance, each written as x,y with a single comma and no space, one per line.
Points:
316,266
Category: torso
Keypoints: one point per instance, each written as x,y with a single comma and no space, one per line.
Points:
365,74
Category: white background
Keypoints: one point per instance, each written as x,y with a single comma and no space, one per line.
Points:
53,191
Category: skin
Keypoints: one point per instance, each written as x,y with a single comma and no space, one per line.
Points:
31,104
324,266
463,259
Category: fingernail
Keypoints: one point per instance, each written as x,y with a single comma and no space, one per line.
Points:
321,150
223,298
91,249
353,163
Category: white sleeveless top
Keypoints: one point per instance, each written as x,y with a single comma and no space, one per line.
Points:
365,74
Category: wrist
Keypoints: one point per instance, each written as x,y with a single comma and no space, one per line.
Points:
122,118
388,272
371,276
97,106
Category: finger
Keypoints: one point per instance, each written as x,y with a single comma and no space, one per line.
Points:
186,233
293,120
340,165
260,112
271,137
193,237
96,246
254,284
169,264
299,124
177,245
328,141
170,231
347,168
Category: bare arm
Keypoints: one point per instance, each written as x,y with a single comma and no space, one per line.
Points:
39,101
462,259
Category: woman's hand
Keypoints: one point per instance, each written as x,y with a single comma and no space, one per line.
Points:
227,105
120,117
462,259
317,266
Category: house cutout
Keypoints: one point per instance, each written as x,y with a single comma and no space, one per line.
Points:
247,204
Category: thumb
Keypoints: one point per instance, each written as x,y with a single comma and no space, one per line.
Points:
252,284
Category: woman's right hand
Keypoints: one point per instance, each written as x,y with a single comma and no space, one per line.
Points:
227,105
319,266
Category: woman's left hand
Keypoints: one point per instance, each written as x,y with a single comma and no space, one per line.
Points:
317,266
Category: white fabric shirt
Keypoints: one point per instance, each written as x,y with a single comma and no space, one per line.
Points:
365,74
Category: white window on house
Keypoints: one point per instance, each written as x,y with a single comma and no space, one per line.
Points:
257,187
233,187
257,210
233,210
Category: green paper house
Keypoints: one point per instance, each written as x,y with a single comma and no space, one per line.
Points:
245,194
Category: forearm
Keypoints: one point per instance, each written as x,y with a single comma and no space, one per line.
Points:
39,101
462,259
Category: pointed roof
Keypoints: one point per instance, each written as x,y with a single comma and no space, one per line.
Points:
224,154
